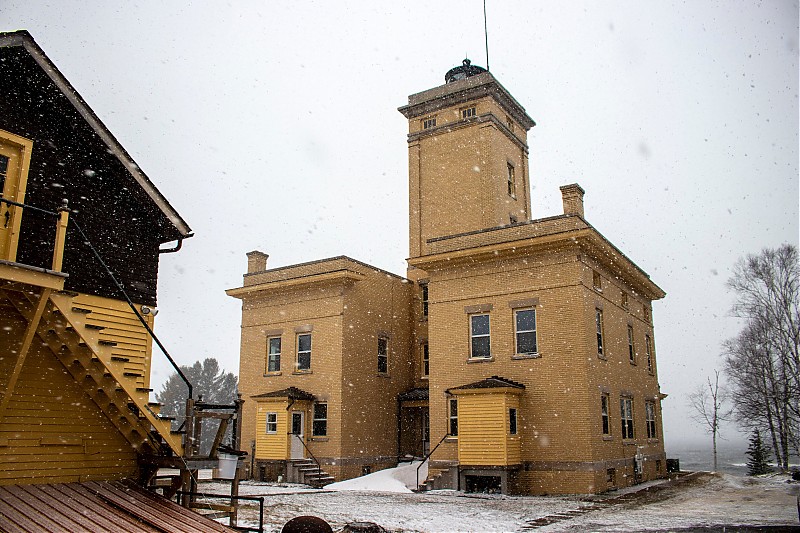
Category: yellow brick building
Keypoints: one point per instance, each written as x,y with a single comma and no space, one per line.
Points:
520,352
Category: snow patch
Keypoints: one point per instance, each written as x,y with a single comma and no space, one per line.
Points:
402,478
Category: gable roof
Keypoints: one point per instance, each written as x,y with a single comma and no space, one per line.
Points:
23,39
293,393
112,506
494,382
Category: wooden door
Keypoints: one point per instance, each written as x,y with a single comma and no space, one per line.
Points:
15,155
298,434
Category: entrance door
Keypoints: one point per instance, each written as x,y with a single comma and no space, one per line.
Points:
14,160
426,433
298,425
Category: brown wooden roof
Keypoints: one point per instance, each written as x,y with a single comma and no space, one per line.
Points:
95,506
293,393
493,382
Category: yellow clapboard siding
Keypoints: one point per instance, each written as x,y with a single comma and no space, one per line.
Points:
483,436
272,445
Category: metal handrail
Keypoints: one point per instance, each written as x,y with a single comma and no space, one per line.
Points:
259,499
319,466
428,457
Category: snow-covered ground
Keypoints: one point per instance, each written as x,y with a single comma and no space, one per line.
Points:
381,497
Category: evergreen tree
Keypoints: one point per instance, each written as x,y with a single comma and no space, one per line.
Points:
211,383
759,456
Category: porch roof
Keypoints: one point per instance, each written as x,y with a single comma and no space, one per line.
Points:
413,395
292,393
493,382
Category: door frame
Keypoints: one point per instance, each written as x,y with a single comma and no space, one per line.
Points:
18,150
296,448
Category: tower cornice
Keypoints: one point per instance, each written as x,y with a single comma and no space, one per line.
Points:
462,91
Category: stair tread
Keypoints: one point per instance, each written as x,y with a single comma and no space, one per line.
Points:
81,310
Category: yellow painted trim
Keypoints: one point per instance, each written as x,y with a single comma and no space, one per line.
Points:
25,148
327,278
38,277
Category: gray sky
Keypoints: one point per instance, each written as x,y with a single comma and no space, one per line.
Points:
273,126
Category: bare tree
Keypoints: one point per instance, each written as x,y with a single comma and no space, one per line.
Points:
763,361
707,403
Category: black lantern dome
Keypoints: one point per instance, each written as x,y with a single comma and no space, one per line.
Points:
466,70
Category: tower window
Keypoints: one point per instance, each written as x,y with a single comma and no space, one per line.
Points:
424,288
429,122
468,112
512,181
383,355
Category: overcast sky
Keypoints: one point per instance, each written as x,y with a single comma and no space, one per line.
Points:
274,126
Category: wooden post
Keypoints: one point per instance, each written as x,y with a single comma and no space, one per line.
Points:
61,237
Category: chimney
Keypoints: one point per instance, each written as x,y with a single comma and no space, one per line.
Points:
572,196
256,261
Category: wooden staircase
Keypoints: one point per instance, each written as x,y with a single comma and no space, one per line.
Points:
309,473
114,382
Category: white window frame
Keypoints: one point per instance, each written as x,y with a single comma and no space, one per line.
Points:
626,418
300,353
631,346
598,318
605,418
383,355
317,419
452,417
650,419
473,336
273,423
518,331
276,356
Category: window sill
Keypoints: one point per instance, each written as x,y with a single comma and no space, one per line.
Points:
451,439
319,439
480,359
603,357
424,377
653,441
272,432
629,442
302,372
275,373
526,356
608,438
384,375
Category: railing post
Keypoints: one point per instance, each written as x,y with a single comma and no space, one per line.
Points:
61,237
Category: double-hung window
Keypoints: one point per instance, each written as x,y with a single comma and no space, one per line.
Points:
452,413
426,360
631,347
648,349
304,351
626,415
424,288
650,419
273,354
598,319
319,423
511,181
383,355
525,332
272,423
479,336
604,409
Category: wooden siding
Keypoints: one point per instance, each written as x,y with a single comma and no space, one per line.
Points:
123,327
483,430
52,432
272,445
